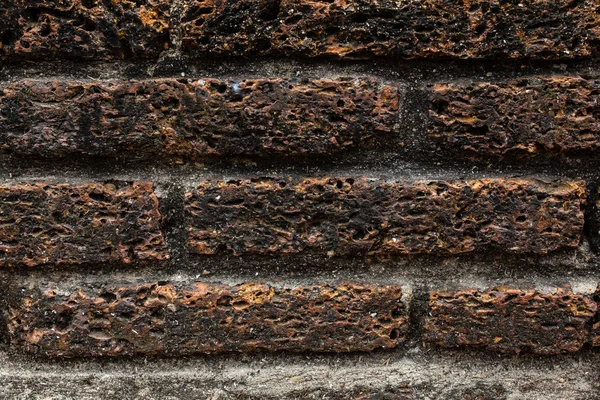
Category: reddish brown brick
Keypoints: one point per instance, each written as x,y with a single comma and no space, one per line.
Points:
62,224
538,29
352,216
510,320
88,29
177,319
190,119
595,329
535,115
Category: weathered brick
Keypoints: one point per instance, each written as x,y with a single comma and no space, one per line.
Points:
510,320
79,224
88,29
175,319
534,115
184,118
538,29
352,216
595,328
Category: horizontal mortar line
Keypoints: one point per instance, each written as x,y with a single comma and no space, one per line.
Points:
394,72
188,178
408,367
412,283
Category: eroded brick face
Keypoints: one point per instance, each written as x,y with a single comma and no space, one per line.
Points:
510,320
44,224
354,216
177,319
527,116
195,118
407,29
88,29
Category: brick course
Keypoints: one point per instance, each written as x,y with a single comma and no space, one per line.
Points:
177,319
510,320
195,118
44,224
350,216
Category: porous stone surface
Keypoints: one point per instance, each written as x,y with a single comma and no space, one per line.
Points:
357,216
510,320
177,319
526,116
44,224
538,29
195,118
84,29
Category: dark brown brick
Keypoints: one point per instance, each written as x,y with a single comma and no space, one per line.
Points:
167,117
538,29
536,115
352,216
510,320
177,319
595,329
88,29
79,224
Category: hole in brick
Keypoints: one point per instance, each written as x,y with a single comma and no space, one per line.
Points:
272,11
441,106
7,37
480,29
359,19
99,197
397,313
521,218
88,3
480,130
109,297
394,334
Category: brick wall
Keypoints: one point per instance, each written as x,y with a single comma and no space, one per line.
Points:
261,199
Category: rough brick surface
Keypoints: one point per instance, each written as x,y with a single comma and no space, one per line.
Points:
170,319
89,29
595,328
349,216
510,320
533,115
145,119
75,224
541,29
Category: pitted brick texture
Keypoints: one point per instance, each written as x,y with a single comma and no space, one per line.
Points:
178,319
84,29
43,224
535,115
354,216
539,29
510,320
190,119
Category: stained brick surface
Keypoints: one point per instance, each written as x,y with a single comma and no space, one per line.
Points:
527,116
176,319
83,29
195,118
352,216
510,320
539,29
44,224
